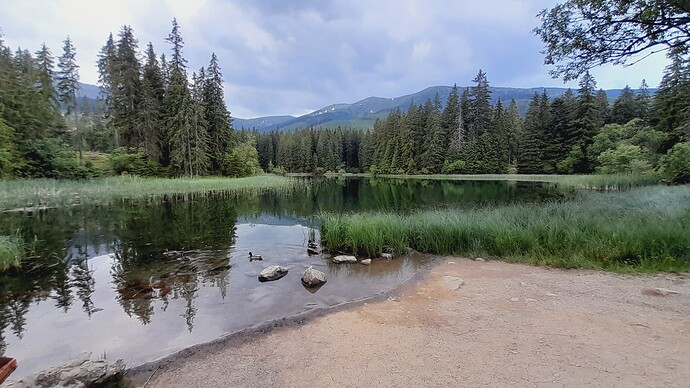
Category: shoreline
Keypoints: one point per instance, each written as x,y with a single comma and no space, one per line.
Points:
145,371
404,309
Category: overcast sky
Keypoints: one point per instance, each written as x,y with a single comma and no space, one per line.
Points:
293,57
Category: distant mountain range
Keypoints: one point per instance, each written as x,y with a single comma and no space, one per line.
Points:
362,114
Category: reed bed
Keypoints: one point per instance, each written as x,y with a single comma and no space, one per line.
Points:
595,182
46,193
639,230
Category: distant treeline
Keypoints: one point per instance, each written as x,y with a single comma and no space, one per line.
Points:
578,133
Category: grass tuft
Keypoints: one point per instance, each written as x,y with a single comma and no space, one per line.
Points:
12,251
640,230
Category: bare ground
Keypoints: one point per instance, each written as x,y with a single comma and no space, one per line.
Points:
508,325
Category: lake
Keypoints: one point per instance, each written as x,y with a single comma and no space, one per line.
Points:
140,280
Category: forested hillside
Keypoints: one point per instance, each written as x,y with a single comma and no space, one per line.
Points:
578,132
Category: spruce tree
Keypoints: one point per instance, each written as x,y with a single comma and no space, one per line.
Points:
480,112
625,107
150,109
68,84
177,106
531,158
126,88
217,115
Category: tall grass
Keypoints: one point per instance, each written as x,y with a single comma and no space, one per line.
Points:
596,182
643,229
17,194
12,251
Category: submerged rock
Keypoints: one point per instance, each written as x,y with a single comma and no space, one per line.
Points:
272,272
344,259
313,278
387,256
83,372
366,261
312,251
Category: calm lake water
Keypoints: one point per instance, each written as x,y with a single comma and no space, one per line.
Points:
138,280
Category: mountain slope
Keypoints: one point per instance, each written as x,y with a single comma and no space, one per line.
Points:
362,114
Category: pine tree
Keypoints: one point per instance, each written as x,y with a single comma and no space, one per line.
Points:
126,88
452,122
625,107
531,158
513,131
671,108
643,102
46,65
587,123
106,69
177,106
199,149
68,84
480,112
217,114
150,108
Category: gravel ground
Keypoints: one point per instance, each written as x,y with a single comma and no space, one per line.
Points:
506,325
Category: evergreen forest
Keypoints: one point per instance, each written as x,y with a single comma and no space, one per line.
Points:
154,118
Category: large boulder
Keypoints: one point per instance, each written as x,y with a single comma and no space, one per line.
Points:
272,272
313,278
83,372
344,259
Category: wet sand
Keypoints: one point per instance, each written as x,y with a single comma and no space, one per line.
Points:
507,325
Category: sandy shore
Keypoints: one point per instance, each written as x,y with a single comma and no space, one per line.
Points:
506,325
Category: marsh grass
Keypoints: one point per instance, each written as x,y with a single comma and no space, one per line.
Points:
43,193
640,230
595,182
12,251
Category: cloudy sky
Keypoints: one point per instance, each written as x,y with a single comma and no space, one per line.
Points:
293,57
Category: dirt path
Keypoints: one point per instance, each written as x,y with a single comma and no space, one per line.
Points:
507,325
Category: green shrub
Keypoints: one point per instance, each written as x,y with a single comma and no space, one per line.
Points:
675,165
132,161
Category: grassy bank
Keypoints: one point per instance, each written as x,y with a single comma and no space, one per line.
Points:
12,251
644,229
597,182
16,194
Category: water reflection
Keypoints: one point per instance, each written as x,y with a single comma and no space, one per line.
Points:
141,279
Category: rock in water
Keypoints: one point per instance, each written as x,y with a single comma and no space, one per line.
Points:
312,251
313,277
453,282
387,256
344,259
366,261
272,272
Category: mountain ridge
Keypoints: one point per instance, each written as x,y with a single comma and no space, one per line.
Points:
363,113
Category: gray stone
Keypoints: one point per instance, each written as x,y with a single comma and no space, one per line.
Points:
453,282
272,272
344,259
82,372
387,256
312,251
659,292
366,261
479,259
313,277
